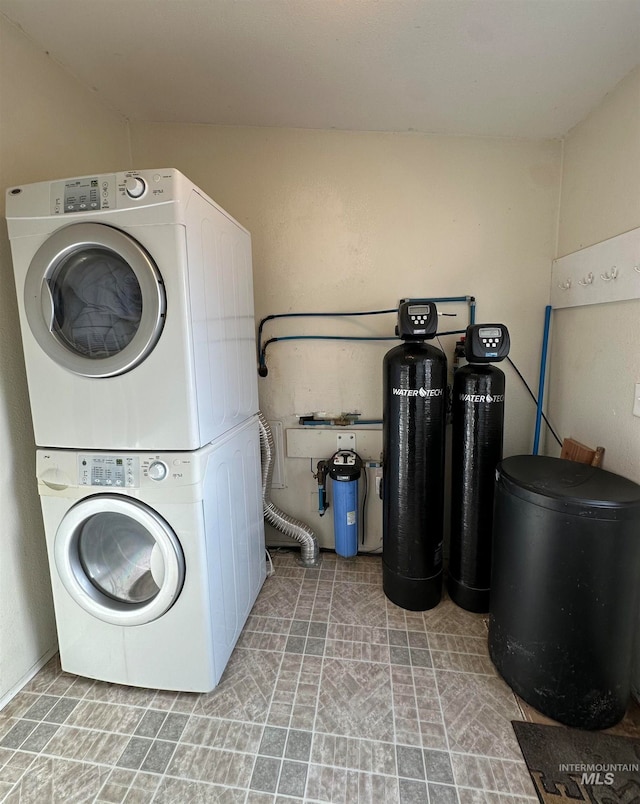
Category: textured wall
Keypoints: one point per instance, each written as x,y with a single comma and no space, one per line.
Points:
354,221
50,127
595,355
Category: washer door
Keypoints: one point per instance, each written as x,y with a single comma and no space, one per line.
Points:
94,300
119,559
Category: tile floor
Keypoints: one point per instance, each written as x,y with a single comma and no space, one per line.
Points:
333,694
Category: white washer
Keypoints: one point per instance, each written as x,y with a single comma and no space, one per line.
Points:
135,296
156,558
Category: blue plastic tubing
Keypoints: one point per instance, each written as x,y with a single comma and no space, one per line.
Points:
543,370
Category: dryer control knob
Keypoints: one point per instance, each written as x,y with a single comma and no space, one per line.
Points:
157,470
134,187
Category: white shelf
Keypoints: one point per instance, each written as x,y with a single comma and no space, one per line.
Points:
606,272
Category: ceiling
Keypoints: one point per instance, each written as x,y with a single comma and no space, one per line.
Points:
507,68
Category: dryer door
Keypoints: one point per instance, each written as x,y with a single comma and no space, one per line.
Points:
94,300
119,559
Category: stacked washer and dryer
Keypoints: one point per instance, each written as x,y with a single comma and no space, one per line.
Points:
135,297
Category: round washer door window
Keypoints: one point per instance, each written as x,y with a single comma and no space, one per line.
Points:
119,559
94,300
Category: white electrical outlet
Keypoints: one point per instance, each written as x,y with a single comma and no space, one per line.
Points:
636,400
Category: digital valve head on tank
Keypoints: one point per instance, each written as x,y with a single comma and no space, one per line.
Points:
417,320
486,343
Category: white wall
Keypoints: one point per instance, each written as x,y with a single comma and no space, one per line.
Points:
50,127
595,355
355,221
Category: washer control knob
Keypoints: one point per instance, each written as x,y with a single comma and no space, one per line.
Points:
157,470
134,187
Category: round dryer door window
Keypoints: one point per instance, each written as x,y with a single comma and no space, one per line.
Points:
94,300
119,559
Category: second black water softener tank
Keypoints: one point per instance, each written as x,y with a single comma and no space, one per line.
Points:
476,449
415,377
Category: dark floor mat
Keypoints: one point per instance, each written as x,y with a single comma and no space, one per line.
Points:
574,765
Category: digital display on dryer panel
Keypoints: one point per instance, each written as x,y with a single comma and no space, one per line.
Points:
109,470
82,195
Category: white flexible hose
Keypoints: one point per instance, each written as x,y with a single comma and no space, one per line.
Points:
309,552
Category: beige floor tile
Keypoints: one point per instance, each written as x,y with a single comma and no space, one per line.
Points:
477,712
105,716
58,781
17,706
278,598
120,694
224,734
87,745
375,678
355,700
246,687
14,766
358,604
181,791
447,618
211,765
459,643
463,662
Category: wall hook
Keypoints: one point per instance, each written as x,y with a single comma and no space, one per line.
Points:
636,268
588,280
566,285
609,275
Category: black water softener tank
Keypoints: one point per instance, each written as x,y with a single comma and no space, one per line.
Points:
564,587
414,408
476,449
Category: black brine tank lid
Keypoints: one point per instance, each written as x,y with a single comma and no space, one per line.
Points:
570,487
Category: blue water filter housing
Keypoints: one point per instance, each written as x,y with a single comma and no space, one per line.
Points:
344,470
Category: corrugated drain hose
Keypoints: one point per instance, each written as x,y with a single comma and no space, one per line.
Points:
309,552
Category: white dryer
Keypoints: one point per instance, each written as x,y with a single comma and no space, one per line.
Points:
156,558
135,295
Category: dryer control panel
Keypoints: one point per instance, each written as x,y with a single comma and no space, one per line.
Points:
114,471
110,191
86,194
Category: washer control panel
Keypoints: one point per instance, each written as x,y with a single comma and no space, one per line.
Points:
60,469
109,471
